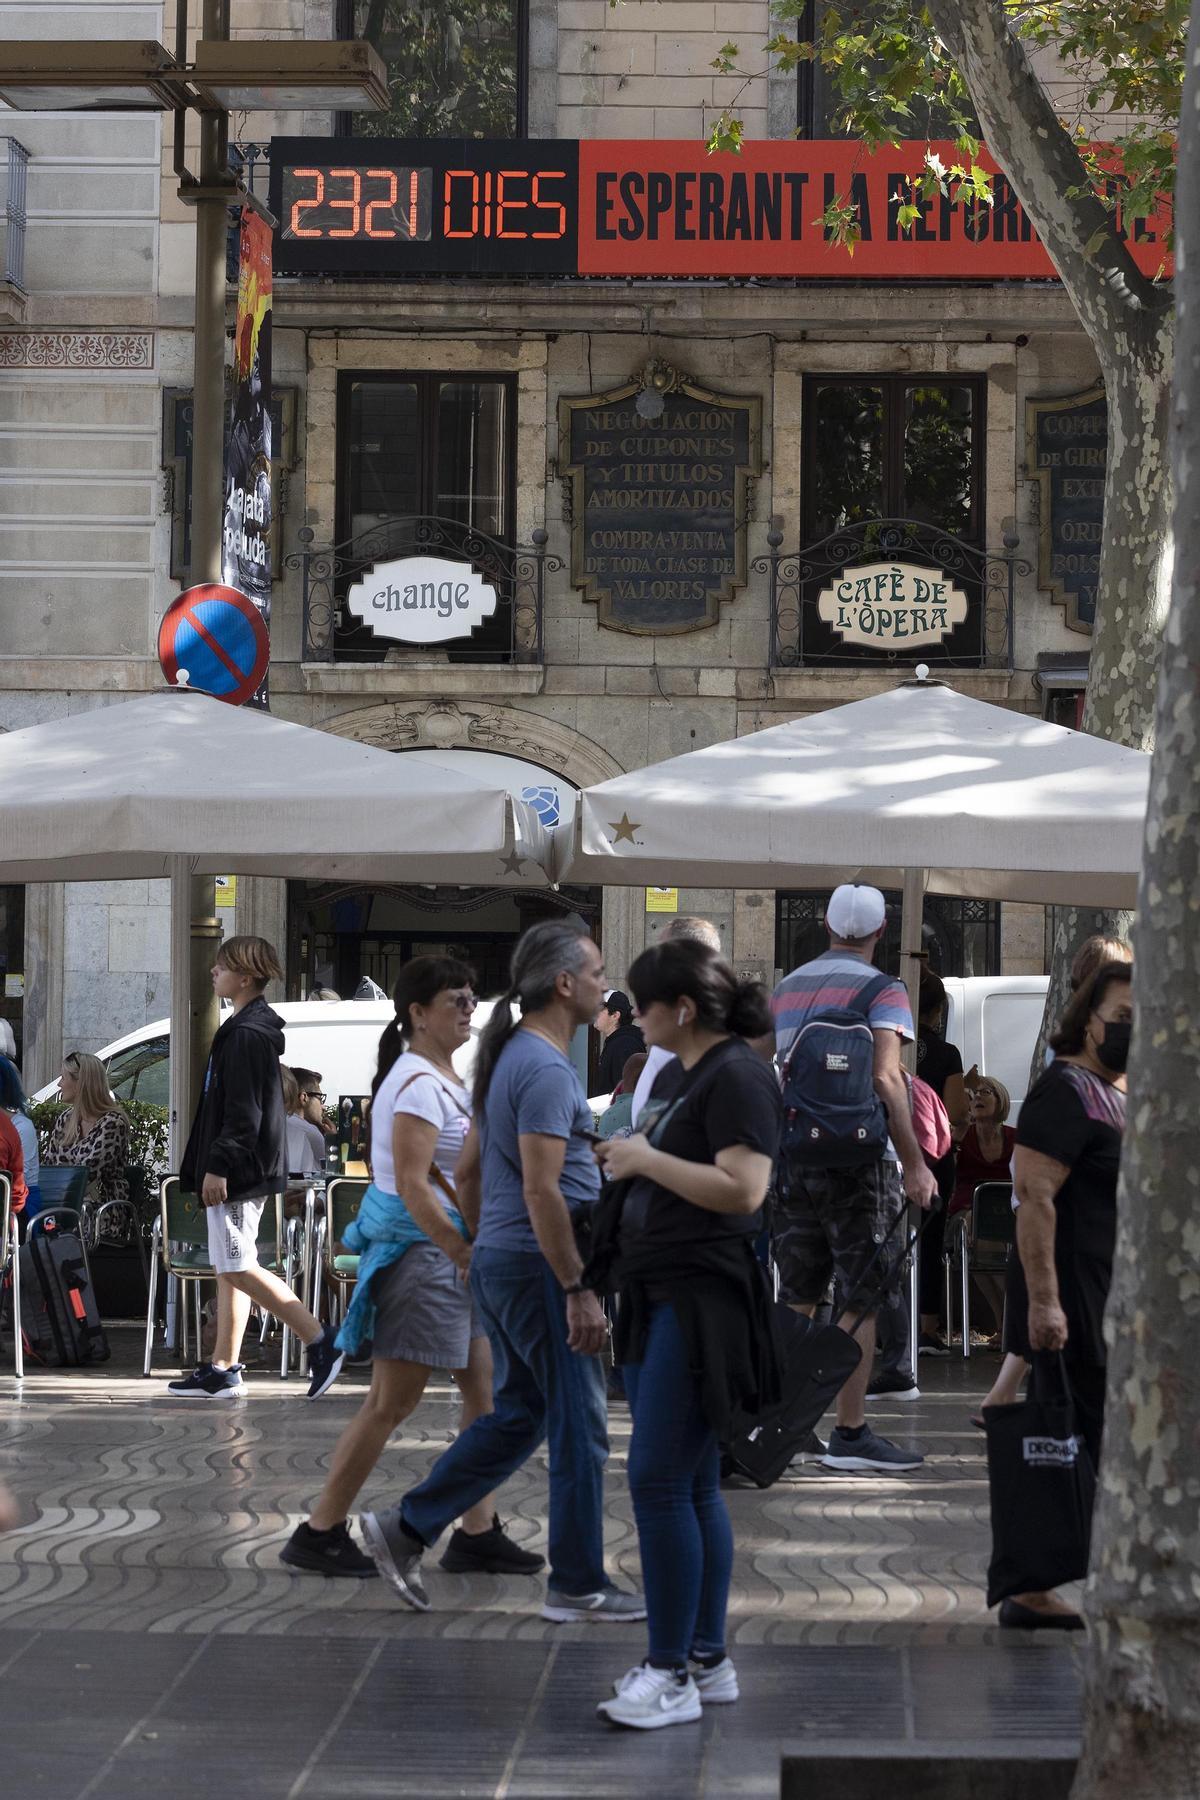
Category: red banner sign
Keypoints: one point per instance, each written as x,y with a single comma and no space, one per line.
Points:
669,208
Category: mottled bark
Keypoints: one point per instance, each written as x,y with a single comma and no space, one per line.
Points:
1142,1725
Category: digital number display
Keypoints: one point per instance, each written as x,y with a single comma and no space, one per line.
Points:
387,207
351,200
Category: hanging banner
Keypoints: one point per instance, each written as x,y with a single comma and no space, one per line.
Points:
246,540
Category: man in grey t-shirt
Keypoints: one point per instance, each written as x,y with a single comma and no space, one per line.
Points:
532,1148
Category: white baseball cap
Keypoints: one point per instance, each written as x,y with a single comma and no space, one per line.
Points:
855,912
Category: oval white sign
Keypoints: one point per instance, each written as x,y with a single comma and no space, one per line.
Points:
888,605
421,600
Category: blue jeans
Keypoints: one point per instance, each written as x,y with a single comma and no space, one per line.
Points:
674,1477
541,1390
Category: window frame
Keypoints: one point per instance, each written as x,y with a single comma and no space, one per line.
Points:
893,384
427,383
343,24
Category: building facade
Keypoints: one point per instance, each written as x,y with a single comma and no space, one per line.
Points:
657,474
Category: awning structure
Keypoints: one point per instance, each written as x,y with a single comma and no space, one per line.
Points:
986,801
117,792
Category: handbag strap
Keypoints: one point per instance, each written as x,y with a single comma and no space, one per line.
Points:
435,1174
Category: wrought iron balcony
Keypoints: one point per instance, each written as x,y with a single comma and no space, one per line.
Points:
16,158
806,632
517,572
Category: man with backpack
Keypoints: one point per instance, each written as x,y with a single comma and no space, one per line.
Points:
839,1025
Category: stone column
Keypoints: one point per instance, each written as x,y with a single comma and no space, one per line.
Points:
753,948
45,950
262,911
623,930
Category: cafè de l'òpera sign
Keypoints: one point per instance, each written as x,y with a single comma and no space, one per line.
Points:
892,605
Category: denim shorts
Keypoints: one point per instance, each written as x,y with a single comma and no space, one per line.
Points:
830,1223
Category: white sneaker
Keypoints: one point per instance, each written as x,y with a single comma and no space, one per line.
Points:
650,1698
717,1686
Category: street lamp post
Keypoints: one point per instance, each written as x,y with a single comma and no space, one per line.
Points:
270,75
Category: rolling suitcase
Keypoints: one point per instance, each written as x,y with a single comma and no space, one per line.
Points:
817,1360
59,1316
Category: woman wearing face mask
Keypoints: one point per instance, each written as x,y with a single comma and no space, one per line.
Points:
1067,1159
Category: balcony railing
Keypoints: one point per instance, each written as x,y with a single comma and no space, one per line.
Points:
801,638
17,159
513,633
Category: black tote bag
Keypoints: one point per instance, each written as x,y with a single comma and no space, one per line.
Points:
1042,1487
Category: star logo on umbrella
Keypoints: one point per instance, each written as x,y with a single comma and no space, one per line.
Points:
623,829
511,864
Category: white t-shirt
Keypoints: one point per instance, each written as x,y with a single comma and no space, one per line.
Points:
432,1097
656,1060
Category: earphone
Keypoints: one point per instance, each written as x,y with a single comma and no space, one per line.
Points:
682,1019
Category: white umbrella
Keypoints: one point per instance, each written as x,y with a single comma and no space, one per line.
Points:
177,784
985,800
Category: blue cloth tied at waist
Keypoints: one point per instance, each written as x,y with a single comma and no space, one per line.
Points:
383,1231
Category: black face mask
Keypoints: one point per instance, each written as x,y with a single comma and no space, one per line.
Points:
1113,1048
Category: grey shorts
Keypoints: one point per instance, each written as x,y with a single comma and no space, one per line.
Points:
423,1311
233,1235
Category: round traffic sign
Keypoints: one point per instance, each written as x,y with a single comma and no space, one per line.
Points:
217,636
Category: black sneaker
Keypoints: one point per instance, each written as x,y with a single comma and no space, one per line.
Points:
929,1344
900,1387
332,1552
207,1383
489,1553
324,1363
868,1451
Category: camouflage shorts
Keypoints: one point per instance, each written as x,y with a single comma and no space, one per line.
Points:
829,1223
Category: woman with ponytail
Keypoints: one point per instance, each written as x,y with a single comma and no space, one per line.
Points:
411,1298
694,1332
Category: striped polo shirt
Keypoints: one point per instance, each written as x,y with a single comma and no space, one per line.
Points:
832,981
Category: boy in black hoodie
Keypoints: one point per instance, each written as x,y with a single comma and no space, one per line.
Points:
236,1157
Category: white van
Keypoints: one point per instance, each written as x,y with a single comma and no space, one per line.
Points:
994,1021
337,1038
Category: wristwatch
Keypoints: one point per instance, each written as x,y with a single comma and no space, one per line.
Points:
577,1289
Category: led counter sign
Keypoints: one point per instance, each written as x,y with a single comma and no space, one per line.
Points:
559,207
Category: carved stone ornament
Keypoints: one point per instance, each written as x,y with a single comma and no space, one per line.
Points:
454,725
659,475
76,349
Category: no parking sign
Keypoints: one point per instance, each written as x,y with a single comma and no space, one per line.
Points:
218,637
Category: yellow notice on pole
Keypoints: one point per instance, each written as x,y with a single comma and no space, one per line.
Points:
226,890
662,900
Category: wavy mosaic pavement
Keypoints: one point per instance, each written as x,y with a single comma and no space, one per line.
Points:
148,1570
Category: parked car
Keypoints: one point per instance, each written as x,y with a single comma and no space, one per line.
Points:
338,1038
994,1020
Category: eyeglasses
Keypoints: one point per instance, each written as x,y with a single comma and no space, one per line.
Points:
312,1094
465,1002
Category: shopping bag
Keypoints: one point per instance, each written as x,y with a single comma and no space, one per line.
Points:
1042,1487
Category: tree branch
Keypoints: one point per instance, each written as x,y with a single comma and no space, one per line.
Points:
1023,133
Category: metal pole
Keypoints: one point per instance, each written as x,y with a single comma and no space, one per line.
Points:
180,1066
208,442
912,917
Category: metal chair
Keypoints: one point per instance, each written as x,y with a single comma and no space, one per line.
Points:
343,1197
62,1184
180,1241
981,1244
10,1265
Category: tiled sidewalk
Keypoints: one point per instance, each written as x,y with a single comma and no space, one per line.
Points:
147,1599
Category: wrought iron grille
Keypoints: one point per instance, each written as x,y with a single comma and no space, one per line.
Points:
15,218
513,634
961,936
800,638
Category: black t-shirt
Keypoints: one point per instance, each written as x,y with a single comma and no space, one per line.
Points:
937,1061
1078,1118
731,1097
624,1042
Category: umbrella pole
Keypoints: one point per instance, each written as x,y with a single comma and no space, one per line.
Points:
912,918
181,968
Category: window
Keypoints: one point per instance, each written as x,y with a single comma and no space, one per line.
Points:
893,448
142,1073
438,446
456,68
427,467
819,105
961,937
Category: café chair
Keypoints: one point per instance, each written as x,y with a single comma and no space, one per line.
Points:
179,1242
980,1247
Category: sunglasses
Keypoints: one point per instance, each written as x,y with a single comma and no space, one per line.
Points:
465,1002
71,1061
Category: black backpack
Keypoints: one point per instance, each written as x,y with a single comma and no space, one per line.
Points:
832,1116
